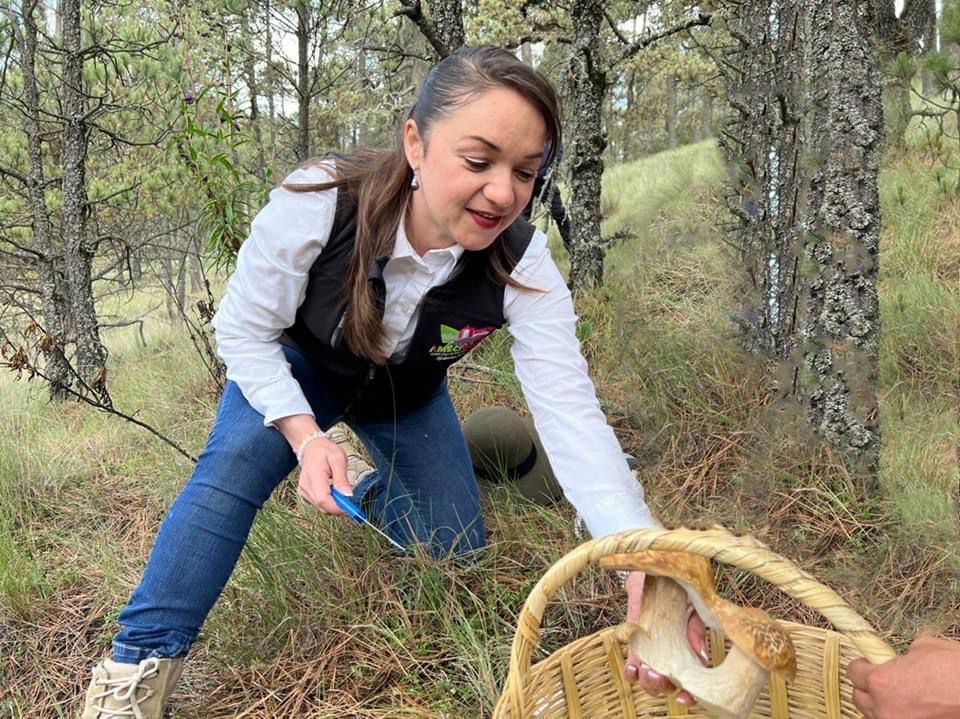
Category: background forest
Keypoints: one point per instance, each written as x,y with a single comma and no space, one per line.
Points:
764,198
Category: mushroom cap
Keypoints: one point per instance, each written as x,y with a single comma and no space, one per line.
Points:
690,569
757,635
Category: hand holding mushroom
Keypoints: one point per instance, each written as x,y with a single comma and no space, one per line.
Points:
636,670
759,644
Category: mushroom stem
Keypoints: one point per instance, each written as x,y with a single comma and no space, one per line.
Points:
728,691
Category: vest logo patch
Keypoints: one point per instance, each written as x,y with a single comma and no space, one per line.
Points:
455,343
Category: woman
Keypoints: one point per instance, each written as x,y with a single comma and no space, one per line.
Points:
363,279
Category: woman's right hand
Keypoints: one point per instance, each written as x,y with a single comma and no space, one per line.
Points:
323,464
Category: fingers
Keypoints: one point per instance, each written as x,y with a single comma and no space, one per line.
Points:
634,586
650,681
323,464
697,636
636,670
317,494
338,472
863,702
858,671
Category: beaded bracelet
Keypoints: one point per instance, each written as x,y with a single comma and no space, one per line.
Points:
319,434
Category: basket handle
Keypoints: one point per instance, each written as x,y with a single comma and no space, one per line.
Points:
742,552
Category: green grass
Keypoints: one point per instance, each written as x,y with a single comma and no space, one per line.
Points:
920,352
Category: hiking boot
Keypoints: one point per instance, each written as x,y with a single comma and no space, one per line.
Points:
131,691
357,466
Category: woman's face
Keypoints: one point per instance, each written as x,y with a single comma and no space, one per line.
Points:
476,170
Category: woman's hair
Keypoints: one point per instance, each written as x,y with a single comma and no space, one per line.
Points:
379,180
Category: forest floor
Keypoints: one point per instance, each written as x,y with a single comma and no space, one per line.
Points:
321,620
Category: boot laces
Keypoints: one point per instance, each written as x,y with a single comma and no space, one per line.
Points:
124,691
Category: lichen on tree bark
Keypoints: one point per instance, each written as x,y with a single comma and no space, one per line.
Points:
806,148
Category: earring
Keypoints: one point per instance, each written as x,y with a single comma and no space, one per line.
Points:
415,182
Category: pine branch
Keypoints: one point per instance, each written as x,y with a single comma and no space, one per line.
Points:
413,9
700,20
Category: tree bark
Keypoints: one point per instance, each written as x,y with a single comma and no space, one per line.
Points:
448,19
197,283
526,54
929,38
631,102
363,130
52,292
910,33
706,117
303,81
809,229
443,29
250,72
841,318
79,249
670,117
589,84
268,75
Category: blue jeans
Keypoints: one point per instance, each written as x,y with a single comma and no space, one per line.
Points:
424,491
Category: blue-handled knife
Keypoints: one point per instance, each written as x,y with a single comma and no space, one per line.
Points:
352,510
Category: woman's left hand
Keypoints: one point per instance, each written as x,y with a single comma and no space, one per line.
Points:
635,670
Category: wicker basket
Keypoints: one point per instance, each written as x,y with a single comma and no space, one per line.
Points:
583,680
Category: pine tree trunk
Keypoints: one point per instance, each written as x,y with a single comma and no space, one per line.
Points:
670,117
268,75
631,102
840,321
166,273
762,144
588,140
447,17
706,117
52,292
303,81
929,43
897,102
78,249
250,72
363,128
809,228
526,54
197,284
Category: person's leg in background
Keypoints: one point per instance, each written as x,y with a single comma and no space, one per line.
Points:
534,197
559,215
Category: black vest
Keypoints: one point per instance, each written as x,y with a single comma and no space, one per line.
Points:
454,318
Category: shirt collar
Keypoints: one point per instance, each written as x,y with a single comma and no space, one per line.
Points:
403,248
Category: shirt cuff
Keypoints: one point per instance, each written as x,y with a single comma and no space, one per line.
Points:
279,399
617,512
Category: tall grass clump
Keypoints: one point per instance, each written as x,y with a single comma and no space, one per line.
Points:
920,354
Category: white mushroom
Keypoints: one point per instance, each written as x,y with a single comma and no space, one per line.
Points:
759,645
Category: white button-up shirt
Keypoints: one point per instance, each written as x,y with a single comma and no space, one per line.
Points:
269,285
